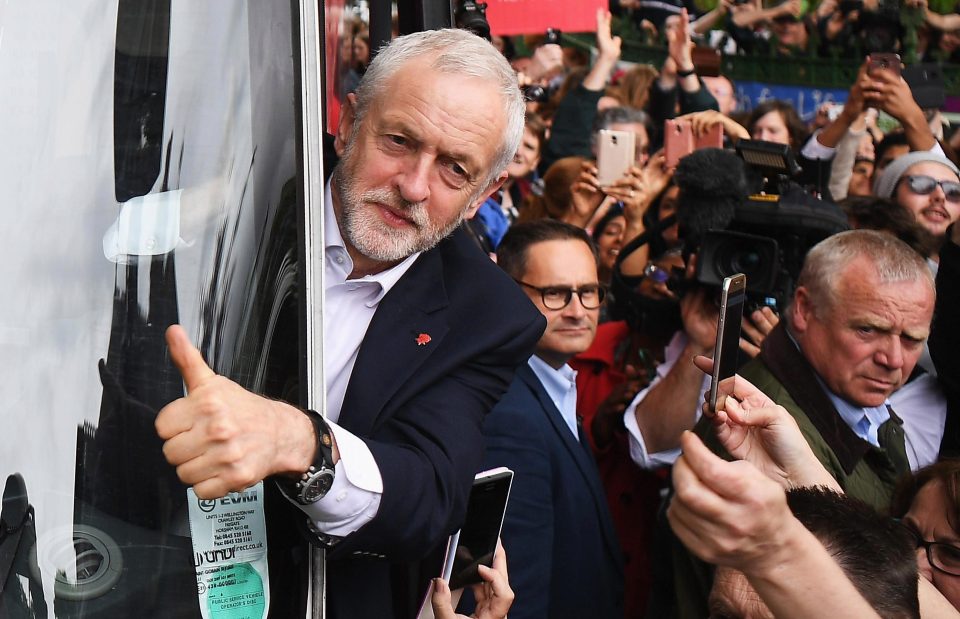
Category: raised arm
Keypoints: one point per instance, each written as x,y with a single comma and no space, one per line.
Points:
728,513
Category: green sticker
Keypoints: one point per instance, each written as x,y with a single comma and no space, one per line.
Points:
235,592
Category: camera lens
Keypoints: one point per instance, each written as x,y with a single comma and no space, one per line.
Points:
745,262
738,259
535,93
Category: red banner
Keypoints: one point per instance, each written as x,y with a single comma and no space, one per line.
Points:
509,17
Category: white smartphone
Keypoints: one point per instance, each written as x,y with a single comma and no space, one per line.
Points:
733,296
615,155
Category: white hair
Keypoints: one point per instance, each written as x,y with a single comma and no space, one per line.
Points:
451,51
892,260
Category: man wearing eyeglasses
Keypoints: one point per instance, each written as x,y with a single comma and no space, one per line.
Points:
565,560
927,185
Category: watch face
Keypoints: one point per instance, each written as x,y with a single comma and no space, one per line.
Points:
317,486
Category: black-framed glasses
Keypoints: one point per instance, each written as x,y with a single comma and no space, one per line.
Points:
941,556
557,298
921,184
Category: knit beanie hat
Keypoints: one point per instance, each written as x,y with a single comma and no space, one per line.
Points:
884,185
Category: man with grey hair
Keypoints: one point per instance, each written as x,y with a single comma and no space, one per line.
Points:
852,335
854,332
422,336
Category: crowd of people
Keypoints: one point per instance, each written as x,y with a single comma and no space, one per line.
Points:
839,350
580,360
824,29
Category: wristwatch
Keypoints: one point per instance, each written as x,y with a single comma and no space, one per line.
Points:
314,483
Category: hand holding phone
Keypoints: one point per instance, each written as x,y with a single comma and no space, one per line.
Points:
476,542
680,139
733,296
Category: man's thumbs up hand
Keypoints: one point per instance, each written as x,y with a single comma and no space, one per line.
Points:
223,438
187,358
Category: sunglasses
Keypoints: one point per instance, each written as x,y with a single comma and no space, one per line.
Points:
921,184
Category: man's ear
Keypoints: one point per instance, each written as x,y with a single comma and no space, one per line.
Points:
345,125
801,311
494,186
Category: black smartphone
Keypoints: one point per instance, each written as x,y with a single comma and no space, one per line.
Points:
476,542
927,85
733,296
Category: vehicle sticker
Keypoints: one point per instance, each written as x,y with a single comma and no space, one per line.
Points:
230,554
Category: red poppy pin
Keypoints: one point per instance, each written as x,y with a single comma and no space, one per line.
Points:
423,339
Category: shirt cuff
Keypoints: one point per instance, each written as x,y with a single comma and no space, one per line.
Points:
354,498
814,150
638,449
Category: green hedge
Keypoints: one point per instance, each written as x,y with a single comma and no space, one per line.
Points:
799,71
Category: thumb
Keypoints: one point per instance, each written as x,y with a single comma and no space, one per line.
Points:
187,358
703,363
440,600
714,472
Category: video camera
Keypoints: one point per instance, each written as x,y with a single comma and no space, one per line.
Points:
740,214
770,232
471,15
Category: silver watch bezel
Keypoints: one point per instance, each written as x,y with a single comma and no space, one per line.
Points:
314,484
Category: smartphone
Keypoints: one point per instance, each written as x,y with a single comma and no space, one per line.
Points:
706,60
679,141
476,542
733,296
927,85
885,62
615,155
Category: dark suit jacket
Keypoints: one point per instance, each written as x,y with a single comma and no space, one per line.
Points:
419,405
562,551
440,350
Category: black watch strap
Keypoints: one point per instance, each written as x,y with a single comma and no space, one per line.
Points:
313,484
324,438
686,73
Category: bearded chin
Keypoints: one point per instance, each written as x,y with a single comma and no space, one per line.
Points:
363,228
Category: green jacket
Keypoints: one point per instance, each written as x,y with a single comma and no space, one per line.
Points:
863,471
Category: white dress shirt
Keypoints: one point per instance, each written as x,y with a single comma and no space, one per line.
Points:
561,386
348,308
922,406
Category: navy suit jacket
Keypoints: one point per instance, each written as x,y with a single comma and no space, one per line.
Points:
563,554
441,349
